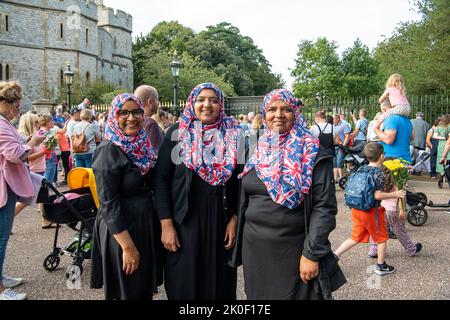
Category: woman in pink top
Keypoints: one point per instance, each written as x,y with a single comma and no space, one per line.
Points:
396,93
15,180
396,221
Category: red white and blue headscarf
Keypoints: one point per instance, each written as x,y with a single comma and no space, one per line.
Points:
209,150
285,162
138,147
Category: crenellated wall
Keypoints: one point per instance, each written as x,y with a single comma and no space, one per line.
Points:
44,35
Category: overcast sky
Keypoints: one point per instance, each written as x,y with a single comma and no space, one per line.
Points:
278,26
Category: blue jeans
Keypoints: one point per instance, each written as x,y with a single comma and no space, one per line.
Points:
83,160
433,157
50,169
338,160
6,223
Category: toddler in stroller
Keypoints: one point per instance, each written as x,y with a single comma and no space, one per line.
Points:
79,204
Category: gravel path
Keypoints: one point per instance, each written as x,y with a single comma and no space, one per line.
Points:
425,276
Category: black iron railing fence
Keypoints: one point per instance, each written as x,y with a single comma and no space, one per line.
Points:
431,106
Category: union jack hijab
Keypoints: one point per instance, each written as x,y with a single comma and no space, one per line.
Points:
209,150
138,147
285,162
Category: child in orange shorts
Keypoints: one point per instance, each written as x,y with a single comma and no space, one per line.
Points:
372,223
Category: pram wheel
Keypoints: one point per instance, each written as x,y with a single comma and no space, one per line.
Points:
417,216
51,262
343,182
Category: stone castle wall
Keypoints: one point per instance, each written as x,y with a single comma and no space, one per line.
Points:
95,40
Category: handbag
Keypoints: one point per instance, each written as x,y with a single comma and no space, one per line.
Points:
331,277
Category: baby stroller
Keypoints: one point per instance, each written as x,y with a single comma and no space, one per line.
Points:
417,201
354,159
420,160
79,204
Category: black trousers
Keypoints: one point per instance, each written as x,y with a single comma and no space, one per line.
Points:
65,157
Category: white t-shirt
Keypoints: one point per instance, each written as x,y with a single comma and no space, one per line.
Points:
70,127
324,127
371,135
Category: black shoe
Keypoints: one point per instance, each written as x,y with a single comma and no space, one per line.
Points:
384,269
418,248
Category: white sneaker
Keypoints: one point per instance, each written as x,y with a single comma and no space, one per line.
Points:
10,283
9,294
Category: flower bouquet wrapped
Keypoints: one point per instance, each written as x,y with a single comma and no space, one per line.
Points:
400,173
50,141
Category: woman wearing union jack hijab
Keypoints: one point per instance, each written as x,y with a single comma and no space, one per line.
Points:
126,253
279,259
196,198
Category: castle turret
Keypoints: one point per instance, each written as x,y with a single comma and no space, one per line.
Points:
39,37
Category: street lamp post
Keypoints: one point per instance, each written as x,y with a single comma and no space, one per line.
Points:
176,66
68,77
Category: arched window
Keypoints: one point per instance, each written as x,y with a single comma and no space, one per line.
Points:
61,76
115,42
7,23
1,72
101,48
7,75
87,36
88,77
61,30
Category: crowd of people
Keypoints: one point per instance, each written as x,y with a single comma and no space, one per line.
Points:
179,207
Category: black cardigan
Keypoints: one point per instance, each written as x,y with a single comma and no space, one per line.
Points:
172,184
322,219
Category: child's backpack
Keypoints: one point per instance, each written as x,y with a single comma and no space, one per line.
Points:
360,189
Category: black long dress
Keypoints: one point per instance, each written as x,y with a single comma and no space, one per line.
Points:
125,204
272,238
199,270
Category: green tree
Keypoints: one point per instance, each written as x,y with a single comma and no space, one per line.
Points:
360,71
318,69
108,97
170,36
95,90
237,58
158,73
419,50
220,51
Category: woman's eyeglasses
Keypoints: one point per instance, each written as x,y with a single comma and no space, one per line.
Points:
124,114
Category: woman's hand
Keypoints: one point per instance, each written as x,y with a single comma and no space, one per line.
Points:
169,236
131,260
309,270
230,233
46,151
400,194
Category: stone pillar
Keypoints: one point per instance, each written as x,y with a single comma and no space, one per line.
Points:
43,106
